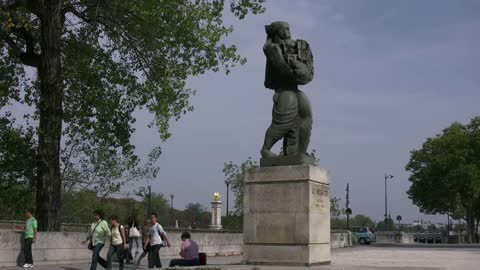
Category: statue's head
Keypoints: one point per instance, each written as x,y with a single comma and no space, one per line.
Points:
278,30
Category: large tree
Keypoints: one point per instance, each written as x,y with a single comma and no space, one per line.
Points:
445,173
95,62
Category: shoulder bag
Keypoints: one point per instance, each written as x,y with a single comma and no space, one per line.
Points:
90,244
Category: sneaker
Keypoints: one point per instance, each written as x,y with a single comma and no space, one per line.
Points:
31,266
27,265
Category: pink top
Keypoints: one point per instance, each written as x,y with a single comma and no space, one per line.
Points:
189,250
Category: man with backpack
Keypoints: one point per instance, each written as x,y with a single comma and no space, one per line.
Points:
118,244
157,238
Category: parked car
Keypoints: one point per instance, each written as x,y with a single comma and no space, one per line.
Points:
364,235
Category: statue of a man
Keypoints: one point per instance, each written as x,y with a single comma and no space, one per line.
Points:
289,64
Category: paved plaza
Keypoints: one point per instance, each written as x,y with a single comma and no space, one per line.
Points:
357,258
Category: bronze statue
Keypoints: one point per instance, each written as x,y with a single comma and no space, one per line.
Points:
289,64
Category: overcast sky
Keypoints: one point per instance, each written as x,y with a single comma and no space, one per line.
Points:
388,74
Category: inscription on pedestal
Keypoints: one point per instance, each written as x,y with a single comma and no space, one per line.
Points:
320,195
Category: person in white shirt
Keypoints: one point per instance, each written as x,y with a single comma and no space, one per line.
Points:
117,243
156,238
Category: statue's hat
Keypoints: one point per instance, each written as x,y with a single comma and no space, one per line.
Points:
275,26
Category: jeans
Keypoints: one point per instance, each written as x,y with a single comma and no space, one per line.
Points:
96,257
120,254
154,257
27,250
144,253
134,241
183,262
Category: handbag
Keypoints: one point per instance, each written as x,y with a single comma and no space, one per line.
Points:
133,232
90,244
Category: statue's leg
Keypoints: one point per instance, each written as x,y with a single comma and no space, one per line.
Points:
305,122
284,114
291,142
271,137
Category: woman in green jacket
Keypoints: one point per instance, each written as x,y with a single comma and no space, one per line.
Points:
98,234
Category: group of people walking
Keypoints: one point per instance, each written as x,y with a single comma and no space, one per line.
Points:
130,243
145,241
153,237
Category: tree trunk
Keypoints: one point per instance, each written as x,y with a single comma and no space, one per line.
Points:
49,185
477,220
470,225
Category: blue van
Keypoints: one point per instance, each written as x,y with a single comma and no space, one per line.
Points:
364,235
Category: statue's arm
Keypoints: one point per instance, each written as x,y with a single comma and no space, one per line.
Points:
277,62
303,74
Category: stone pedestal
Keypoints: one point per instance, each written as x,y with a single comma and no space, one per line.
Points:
287,216
216,223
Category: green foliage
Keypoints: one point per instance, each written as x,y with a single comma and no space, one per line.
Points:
235,175
233,223
17,155
14,200
445,173
337,223
78,207
196,216
17,170
362,220
335,209
158,204
388,226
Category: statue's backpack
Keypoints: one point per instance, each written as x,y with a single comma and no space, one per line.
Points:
302,60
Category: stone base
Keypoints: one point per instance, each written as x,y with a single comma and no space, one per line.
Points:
291,255
300,159
287,216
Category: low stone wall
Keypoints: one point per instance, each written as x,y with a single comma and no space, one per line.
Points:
394,237
66,247
341,239
61,247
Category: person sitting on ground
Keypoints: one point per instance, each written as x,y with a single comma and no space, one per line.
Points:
188,252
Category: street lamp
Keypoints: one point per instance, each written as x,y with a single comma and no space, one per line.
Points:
389,176
171,209
148,194
348,211
228,185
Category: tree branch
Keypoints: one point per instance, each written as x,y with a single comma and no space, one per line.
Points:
28,58
34,6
